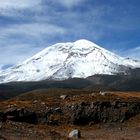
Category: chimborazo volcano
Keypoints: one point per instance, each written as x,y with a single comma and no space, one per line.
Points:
78,59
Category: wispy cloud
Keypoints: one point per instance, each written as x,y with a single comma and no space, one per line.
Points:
31,25
69,3
10,7
132,53
17,53
20,41
16,4
31,29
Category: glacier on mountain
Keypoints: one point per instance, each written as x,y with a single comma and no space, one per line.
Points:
68,60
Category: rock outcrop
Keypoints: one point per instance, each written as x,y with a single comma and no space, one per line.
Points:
83,112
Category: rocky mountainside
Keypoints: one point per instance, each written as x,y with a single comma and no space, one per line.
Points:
61,61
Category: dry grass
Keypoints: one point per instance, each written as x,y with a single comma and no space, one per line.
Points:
129,130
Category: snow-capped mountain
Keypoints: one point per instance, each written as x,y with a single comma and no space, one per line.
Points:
67,60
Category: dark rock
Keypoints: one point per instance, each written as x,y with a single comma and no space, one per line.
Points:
103,111
21,115
2,117
1,125
2,138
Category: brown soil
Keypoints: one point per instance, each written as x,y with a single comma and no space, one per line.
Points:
16,130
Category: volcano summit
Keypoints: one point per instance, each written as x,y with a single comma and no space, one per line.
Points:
69,60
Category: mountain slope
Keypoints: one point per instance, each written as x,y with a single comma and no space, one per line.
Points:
100,82
67,60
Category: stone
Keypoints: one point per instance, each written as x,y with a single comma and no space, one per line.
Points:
21,115
35,101
0,125
42,103
103,93
75,134
2,138
93,94
63,97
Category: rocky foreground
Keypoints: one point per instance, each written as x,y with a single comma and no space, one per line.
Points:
99,116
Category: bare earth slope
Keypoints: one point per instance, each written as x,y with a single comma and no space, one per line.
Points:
99,116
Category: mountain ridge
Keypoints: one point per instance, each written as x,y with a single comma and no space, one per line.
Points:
61,61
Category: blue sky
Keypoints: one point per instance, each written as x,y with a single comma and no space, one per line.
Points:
28,26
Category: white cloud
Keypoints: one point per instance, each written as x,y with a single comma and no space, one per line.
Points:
10,7
31,29
21,51
18,4
45,20
17,53
1,67
70,3
133,53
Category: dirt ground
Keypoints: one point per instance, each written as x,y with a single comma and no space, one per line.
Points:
128,130
95,132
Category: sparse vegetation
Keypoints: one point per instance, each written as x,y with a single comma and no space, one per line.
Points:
45,116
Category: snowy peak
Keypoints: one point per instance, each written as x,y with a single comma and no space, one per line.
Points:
81,46
85,44
81,59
